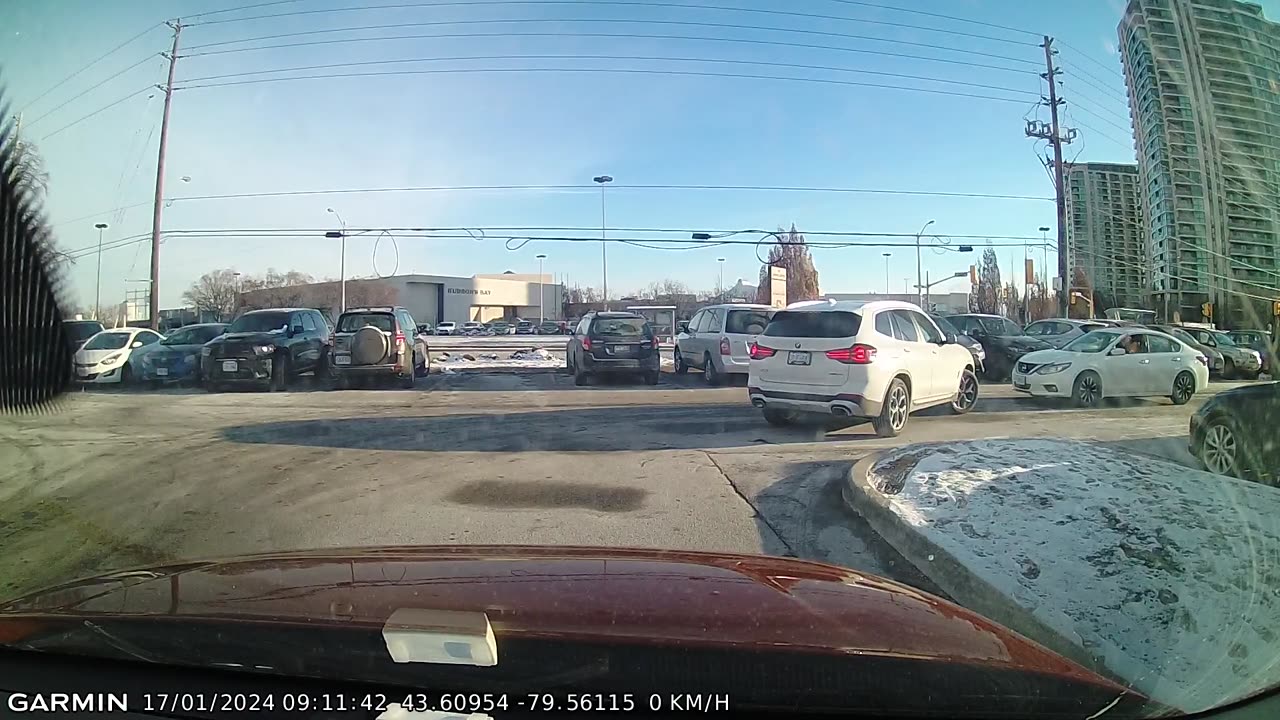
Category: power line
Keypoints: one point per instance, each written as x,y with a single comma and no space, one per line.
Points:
607,21
621,71
1119,97
91,88
624,3
995,26
95,112
93,62
1111,91
1086,56
644,58
100,214
242,7
1079,98
471,188
1099,132
645,36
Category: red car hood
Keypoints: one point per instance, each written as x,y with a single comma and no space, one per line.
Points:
668,598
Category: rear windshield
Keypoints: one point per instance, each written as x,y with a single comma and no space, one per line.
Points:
353,322
621,327
81,330
747,322
825,324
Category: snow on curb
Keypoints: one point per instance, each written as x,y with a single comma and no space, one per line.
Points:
1164,577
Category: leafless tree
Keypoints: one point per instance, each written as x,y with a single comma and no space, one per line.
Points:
214,293
790,252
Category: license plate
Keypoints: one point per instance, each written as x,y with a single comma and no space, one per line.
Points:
162,372
229,366
342,359
798,358
1021,383
620,349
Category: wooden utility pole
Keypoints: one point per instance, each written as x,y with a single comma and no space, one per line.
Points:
1054,134
154,291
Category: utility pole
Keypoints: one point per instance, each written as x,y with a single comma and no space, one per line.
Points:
1054,134
159,200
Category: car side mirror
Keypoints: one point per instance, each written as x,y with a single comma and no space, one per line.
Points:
948,338
1118,351
295,330
136,344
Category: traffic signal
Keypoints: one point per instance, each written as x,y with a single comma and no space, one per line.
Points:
1207,310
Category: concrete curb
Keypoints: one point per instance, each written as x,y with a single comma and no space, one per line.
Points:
944,570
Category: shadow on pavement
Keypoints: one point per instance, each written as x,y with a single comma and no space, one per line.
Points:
644,427
1173,449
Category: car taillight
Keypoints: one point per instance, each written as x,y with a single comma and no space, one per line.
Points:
1203,360
399,338
760,352
857,355
586,343
724,346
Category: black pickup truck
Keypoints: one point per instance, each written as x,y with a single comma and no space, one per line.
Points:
268,348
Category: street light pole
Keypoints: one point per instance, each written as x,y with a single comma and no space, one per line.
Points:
97,295
342,261
604,253
542,315
720,282
886,271
920,275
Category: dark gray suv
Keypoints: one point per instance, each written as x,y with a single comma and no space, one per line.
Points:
615,343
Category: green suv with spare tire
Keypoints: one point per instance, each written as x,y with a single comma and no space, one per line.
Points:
378,343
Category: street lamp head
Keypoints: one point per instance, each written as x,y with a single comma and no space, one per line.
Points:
701,236
541,257
101,226
333,234
1044,229
719,259
887,254
602,179
328,210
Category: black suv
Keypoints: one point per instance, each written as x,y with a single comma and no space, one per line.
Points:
613,342
268,347
378,342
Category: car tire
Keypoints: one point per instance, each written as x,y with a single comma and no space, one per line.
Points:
1228,369
1184,386
1086,391
279,381
579,377
126,375
894,411
778,418
681,367
652,377
709,372
407,383
967,394
212,387
1221,450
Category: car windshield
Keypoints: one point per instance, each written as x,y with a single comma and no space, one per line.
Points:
747,322
1092,342
794,421
81,331
620,327
193,336
259,322
352,322
108,341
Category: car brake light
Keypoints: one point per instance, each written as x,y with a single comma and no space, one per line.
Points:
760,352
724,346
859,354
586,343
1203,360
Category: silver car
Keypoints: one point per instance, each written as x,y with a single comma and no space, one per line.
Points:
1237,361
1216,361
718,338
1060,331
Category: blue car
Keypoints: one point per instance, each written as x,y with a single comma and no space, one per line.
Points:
177,357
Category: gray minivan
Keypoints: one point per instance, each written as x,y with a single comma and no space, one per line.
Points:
718,337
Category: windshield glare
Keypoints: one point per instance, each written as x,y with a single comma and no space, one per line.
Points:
107,341
1092,342
618,327
354,321
260,322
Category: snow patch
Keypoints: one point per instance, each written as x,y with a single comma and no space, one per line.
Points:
1170,576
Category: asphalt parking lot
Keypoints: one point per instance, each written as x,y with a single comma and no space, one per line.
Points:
120,478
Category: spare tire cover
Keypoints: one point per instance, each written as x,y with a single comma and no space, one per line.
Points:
368,346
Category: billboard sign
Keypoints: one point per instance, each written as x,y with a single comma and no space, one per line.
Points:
777,286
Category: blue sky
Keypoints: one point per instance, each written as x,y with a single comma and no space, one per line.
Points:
553,128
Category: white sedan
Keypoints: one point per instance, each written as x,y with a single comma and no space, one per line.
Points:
105,357
1115,362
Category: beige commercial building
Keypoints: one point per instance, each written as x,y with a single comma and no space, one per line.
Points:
1204,100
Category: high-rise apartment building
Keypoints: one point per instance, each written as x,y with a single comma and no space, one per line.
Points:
1106,241
1203,90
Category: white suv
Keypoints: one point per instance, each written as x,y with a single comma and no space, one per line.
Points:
881,360
718,340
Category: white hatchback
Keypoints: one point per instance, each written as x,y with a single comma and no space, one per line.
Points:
880,360
1114,362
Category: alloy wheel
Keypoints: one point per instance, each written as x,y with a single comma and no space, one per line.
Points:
898,408
1220,449
1183,388
968,391
1089,390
